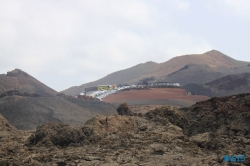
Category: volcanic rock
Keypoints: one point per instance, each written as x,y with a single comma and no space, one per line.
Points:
199,135
17,93
221,125
123,109
5,127
229,114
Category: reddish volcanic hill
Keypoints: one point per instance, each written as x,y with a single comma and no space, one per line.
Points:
169,96
24,83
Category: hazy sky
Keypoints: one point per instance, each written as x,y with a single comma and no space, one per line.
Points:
64,43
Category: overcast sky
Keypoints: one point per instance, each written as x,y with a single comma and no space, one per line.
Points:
65,43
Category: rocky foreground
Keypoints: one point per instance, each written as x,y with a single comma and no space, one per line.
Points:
199,135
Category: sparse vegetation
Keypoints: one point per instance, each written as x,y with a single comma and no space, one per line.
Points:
123,109
146,80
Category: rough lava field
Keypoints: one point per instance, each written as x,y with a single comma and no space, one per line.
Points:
198,135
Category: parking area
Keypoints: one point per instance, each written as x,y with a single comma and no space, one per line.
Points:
104,93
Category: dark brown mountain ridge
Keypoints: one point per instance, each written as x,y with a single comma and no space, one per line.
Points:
27,103
28,112
195,68
225,86
23,82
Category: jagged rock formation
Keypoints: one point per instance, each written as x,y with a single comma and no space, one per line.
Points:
5,127
198,135
221,124
123,109
119,140
217,113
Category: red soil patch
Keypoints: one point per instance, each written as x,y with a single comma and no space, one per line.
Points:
154,94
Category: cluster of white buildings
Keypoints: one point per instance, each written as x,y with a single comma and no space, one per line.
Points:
100,94
103,91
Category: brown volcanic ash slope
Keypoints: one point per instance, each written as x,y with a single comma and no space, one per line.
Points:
198,135
228,85
194,73
169,96
26,113
184,69
5,127
94,105
232,82
23,82
36,103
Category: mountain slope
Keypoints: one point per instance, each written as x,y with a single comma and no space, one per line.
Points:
227,85
23,82
232,82
25,112
194,73
27,103
184,69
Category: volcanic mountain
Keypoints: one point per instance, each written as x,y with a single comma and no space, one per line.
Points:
195,68
23,82
228,85
27,112
27,103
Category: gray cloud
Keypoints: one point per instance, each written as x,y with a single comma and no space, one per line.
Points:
67,43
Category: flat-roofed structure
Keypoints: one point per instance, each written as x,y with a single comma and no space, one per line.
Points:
89,89
163,84
104,87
